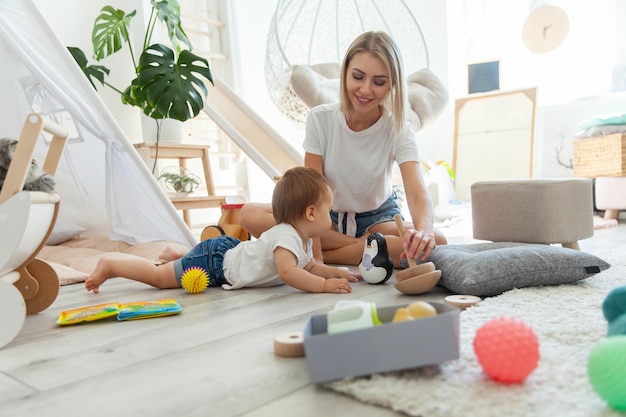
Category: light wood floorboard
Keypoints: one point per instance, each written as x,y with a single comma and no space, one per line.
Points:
215,358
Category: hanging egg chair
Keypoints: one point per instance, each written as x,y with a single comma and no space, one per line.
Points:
317,33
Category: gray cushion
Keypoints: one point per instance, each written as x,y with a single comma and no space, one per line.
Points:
486,269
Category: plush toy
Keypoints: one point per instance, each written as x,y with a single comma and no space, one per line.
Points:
614,311
36,179
376,266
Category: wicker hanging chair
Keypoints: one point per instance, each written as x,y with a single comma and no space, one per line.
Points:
311,32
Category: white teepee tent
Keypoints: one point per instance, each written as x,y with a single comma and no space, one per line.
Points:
104,185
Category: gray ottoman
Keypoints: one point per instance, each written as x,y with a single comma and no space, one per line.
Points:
533,211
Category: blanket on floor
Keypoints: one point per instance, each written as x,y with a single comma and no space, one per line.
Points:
74,259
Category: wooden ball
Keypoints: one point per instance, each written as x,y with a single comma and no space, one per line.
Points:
401,314
419,309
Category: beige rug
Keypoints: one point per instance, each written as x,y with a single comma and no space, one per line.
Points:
568,322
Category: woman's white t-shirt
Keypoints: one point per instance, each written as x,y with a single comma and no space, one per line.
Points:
251,263
358,165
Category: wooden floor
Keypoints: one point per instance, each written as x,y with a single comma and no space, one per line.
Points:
214,359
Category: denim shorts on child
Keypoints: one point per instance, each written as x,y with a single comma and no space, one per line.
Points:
367,219
208,255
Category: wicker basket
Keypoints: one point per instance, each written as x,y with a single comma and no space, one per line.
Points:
604,156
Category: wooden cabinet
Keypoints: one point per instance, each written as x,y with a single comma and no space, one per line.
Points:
493,138
183,152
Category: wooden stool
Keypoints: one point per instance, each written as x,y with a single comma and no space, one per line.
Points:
183,152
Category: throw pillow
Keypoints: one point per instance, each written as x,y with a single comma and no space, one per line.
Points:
63,232
486,269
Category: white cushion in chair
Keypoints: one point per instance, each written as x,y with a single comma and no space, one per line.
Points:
319,84
316,84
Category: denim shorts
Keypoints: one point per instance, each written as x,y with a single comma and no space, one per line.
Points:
208,255
367,219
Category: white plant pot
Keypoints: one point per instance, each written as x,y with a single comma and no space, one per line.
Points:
172,131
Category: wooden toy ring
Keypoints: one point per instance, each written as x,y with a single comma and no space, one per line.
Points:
419,284
462,301
289,345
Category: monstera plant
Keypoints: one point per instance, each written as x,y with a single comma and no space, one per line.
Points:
170,81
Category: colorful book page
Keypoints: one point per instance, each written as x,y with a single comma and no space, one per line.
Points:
85,314
148,309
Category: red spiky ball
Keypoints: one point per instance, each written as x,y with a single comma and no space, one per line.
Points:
507,349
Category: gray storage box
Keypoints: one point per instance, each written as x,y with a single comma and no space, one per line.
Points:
387,347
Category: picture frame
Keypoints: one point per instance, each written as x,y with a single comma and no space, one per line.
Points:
483,77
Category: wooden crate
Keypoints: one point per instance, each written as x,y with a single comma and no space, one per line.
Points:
603,156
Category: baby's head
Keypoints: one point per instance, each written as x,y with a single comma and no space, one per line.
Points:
298,189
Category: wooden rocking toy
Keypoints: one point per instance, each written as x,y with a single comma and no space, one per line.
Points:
27,285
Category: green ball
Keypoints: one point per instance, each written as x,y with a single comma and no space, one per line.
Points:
606,369
614,304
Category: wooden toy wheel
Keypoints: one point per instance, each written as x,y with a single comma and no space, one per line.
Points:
210,232
39,285
12,312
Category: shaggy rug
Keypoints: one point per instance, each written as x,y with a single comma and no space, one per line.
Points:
568,322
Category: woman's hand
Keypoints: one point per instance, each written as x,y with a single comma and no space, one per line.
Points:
418,244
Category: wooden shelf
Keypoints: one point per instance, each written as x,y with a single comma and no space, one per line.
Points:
182,152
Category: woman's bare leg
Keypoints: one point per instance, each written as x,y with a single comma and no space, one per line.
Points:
345,255
135,268
335,240
351,254
256,218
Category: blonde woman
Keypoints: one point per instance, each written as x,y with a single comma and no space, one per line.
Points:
355,144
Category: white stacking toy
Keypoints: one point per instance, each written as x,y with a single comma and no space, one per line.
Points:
351,315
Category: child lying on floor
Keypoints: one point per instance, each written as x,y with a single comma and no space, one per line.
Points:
301,205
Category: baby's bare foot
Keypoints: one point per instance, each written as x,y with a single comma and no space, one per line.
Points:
170,254
97,277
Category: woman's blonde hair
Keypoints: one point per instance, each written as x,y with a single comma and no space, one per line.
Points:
298,188
382,46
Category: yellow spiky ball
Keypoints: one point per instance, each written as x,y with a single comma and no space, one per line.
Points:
195,280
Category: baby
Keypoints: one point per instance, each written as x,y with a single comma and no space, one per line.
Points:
301,205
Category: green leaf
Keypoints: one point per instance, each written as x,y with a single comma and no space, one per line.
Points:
168,11
110,31
172,88
91,71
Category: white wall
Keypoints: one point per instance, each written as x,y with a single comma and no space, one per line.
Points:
253,24
458,32
73,21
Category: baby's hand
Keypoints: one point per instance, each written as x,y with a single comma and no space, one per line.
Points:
349,275
337,286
